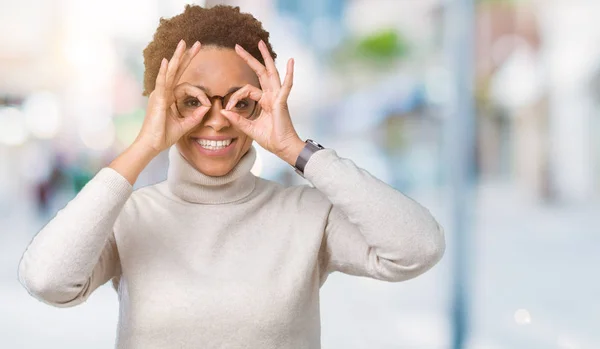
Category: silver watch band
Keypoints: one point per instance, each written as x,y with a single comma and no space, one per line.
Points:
309,149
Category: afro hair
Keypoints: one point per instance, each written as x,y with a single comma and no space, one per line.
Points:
221,26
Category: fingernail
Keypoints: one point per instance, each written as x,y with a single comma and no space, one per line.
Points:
163,62
196,44
262,43
181,42
238,47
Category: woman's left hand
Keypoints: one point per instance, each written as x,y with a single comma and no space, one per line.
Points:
273,128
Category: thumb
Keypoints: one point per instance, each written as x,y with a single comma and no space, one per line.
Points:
239,122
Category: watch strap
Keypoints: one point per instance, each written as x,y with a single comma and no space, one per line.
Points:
309,149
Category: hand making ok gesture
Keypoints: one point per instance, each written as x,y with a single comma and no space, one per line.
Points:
272,129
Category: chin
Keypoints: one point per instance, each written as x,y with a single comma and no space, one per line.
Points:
217,170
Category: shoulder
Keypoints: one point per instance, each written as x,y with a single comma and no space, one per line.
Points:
144,198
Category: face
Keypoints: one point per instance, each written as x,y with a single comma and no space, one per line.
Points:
219,71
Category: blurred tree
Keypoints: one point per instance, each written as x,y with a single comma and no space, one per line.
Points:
387,44
377,51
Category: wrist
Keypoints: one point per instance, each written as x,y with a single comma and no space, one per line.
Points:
141,148
132,161
291,153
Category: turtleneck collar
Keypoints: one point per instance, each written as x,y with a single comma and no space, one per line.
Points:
191,185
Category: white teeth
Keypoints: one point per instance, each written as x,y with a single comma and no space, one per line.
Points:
213,145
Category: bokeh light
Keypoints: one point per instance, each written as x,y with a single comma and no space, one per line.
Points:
13,130
42,114
98,135
522,317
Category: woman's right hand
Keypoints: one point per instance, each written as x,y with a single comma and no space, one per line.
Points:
163,125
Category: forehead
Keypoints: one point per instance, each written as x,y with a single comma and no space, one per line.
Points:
218,69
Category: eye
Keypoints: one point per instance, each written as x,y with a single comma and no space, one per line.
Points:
192,103
241,104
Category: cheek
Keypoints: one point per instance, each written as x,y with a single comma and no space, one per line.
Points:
246,142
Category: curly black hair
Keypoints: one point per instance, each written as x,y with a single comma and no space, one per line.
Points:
221,26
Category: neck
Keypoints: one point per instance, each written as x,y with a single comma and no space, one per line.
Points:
191,185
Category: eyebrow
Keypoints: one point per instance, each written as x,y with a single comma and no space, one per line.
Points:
207,90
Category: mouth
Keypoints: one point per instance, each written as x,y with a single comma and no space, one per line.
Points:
215,148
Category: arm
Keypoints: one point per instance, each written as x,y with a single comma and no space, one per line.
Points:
75,252
372,229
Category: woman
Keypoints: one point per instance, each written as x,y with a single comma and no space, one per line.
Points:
215,257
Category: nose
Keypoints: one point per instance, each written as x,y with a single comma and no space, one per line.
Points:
214,119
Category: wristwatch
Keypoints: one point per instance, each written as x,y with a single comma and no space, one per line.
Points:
309,149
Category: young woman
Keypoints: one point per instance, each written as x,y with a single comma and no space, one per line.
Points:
215,257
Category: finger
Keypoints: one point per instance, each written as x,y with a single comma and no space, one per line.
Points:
187,59
248,91
272,71
186,89
174,63
239,122
258,68
193,120
159,87
286,88
174,112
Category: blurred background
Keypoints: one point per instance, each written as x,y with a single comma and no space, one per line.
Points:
487,112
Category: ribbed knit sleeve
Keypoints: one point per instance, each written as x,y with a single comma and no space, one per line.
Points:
75,252
372,229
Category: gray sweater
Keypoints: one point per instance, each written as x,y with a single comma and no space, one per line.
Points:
227,262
